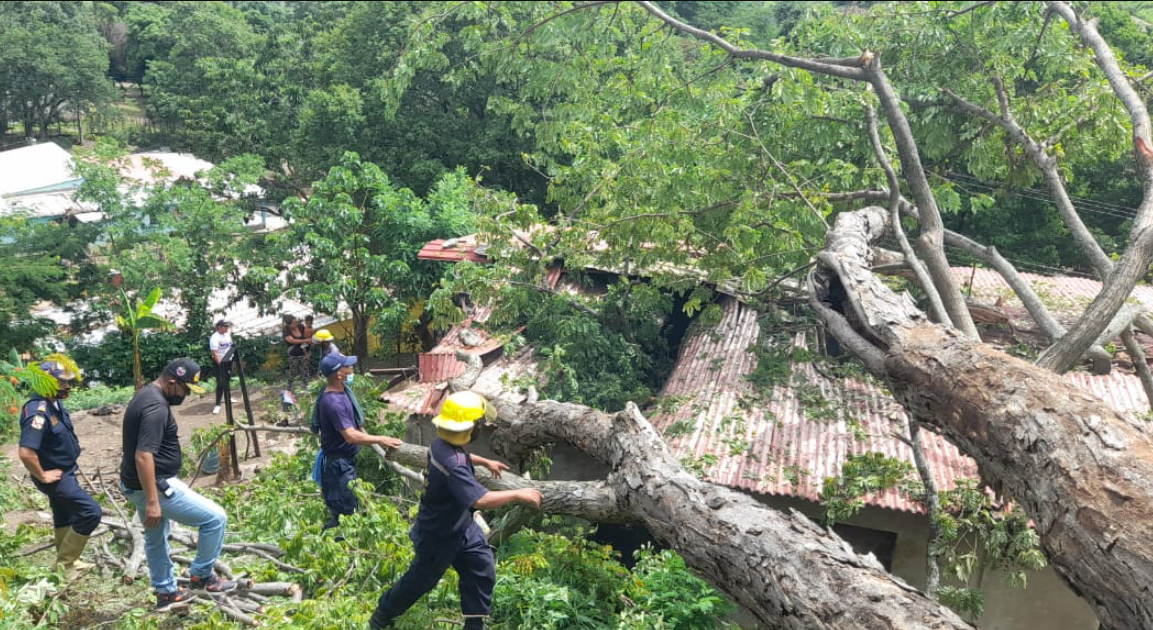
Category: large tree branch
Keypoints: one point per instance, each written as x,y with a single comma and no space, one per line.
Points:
1048,165
936,308
592,500
830,67
931,241
787,571
989,255
1068,349
1118,80
1118,285
1083,472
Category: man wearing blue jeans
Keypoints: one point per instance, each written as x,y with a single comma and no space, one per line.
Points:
148,477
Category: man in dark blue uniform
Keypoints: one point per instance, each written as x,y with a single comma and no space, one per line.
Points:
49,449
445,533
340,422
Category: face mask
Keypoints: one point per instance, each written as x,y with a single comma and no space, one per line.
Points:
348,379
174,400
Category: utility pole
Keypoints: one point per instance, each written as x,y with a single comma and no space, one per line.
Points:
79,124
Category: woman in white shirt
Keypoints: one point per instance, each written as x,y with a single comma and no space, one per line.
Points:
220,343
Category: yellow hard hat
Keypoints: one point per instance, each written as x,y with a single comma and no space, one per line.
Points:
321,335
460,412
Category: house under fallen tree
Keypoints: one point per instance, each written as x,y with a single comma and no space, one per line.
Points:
776,447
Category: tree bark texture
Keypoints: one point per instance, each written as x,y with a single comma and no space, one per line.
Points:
782,567
359,334
1082,472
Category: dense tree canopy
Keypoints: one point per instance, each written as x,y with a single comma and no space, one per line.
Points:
353,246
51,58
660,164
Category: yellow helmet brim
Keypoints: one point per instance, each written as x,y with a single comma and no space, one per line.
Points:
453,426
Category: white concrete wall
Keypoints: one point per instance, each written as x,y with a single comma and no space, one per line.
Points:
1045,604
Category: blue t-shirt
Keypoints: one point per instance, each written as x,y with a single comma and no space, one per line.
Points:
450,491
46,428
336,414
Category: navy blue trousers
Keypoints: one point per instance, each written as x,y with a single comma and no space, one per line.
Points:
474,563
335,475
71,505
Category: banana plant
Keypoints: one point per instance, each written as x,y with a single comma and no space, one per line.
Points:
134,319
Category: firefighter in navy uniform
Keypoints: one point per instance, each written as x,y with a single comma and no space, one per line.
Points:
49,449
445,533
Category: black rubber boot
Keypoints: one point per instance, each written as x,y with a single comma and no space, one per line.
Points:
376,622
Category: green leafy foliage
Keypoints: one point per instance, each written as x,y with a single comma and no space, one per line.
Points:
19,381
869,473
81,399
51,58
111,361
42,262
663,586
979,533
185,238
357,238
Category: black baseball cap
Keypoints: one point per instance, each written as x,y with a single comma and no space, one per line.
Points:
223,322
186,371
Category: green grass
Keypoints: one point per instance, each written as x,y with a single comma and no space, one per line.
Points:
96,397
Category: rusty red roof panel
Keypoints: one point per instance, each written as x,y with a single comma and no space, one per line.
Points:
769,444
435,368
463,248
425,398
411,396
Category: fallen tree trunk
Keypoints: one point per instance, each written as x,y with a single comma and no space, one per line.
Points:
786,570
1083,472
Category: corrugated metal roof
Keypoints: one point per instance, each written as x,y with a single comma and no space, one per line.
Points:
1065,296
768,443
464,248
437,367
36,167
51,205
156,167
412,396
502,372
441,364
424,398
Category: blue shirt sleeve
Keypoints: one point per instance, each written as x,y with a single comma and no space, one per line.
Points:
33,424
462,481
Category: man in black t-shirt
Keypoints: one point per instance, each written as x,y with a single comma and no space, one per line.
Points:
148,477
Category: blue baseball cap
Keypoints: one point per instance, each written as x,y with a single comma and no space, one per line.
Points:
57,370
333,362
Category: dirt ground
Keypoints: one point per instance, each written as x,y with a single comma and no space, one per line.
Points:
100,441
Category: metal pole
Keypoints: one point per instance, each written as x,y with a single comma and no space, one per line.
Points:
247,403
227,376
